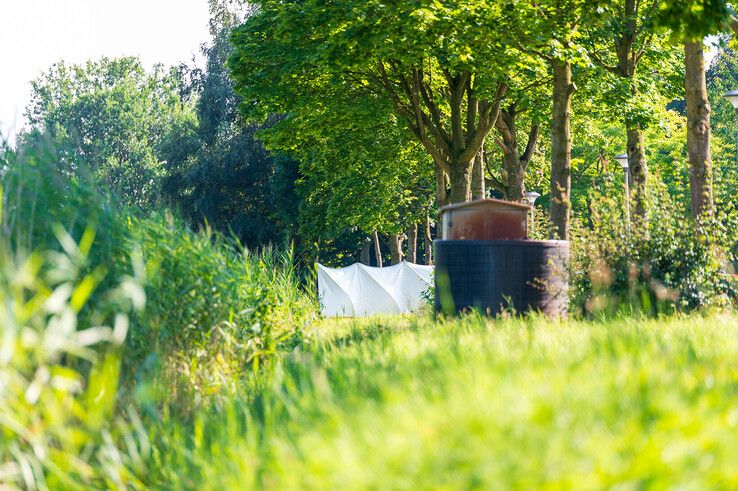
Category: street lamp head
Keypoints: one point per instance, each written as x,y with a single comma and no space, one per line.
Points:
531,197
622,159
732,96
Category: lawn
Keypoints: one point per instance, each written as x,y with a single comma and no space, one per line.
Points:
408,403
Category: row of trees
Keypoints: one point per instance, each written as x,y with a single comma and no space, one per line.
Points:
343,127
451,73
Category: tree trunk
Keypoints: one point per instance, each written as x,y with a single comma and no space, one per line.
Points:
638,170
514,164
365,252
515,174
395,243
377,250
460,177
516,184
478,188
441,191
563,88
412,243
428,240
698,129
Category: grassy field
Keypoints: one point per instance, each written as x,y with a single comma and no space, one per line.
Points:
407,403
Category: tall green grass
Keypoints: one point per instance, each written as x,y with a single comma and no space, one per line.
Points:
215,313
59,427
475,404
214,310
81,370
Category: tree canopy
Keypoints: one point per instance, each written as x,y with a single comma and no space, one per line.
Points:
108,118
327,123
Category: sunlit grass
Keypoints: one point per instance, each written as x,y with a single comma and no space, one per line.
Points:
517,404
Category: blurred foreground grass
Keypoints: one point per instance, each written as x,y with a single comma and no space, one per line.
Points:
406,403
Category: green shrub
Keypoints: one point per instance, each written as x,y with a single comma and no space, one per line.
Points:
678,264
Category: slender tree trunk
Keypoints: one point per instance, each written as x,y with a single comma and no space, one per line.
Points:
638,170
478,188
563,88
441,182
395,243
698,129
460,177
412,243
377,249
365,252
428,239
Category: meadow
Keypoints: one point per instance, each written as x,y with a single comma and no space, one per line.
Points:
409,403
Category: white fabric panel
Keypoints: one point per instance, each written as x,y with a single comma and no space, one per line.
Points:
332,290
360,290
415,280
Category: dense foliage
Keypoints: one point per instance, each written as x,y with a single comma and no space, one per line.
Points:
217,171
107,118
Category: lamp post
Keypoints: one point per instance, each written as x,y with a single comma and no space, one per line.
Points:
732,97
531,197
622,159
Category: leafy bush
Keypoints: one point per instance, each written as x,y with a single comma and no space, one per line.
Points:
678,264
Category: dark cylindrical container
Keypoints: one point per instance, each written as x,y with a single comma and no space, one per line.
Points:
497,275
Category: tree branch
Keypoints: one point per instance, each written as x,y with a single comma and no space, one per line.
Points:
601,63
505,124
472,106
426,92
642,50
457,87
501,144
416,118
404,110
531,146
496,183
488,113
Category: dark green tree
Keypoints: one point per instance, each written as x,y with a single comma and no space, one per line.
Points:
217,170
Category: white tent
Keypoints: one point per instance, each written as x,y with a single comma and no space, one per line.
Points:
360,290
